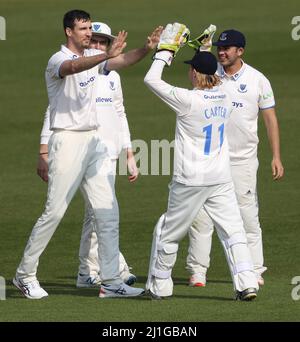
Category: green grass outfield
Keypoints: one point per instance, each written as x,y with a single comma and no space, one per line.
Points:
34,33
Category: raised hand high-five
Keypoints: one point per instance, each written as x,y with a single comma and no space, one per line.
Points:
118,45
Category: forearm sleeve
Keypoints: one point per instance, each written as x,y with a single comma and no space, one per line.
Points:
46,133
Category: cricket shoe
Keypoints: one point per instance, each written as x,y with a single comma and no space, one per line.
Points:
119,291
157,297
246,295
197,280
127,277
204,41
130,279
86,280
31,290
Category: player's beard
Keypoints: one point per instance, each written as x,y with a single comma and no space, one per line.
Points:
85,44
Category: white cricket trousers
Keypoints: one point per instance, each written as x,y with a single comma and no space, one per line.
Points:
88,251
77,158
184,203
200,234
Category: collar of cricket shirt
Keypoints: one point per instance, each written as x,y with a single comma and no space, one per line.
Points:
70,53
221,72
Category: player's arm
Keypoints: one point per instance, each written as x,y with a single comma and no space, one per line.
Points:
272,127
177,99
131,164
125,132
80,64
133,56
42,164
120,110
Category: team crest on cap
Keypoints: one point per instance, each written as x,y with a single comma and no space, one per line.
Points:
223,36
242,88
97,27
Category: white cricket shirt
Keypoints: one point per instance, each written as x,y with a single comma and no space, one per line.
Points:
111,116
72,99
250,92
201,155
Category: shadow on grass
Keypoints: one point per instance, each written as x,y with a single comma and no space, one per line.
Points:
189,296
215,281
200,297
70,289
61,289
184,281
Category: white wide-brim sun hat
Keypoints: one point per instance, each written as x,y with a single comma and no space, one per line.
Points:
102,29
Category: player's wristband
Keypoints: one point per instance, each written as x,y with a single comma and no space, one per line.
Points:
165,56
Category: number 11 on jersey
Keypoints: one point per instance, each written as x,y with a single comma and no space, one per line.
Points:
208,131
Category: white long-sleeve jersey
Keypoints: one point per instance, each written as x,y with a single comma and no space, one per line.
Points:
201,155
111,116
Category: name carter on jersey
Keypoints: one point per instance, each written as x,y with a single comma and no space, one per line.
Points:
215,111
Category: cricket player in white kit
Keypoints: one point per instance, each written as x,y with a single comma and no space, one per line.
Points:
116,136
201,169
77,154
251,92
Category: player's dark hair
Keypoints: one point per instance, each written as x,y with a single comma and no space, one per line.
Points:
71,16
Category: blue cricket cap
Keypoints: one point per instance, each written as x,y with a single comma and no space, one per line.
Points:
204,62
231,38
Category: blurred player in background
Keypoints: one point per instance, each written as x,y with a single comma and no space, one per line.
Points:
250,92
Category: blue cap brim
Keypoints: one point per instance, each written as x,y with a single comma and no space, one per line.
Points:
218,43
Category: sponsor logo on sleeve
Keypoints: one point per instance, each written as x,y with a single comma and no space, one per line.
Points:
268,96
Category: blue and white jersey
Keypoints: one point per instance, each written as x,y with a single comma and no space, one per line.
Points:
250,92
72,99
201,155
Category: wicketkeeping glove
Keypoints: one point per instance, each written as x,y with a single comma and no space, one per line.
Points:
204,41
173,37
